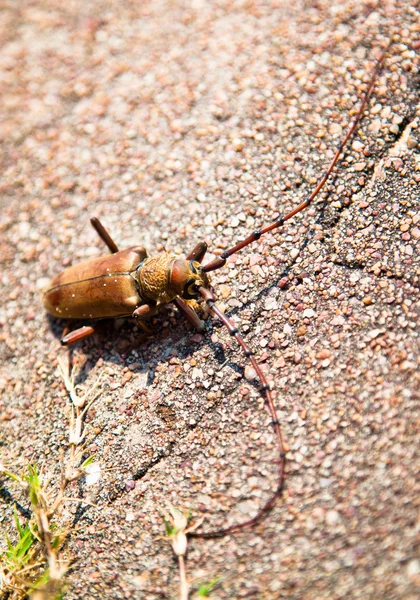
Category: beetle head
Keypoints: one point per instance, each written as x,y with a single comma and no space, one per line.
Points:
187,277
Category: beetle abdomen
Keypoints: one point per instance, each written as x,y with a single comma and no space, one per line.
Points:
98,288
113,295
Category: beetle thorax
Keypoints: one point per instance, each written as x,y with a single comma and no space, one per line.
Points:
154,277
164,277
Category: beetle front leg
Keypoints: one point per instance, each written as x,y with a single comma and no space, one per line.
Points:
143,312
190,314
77,335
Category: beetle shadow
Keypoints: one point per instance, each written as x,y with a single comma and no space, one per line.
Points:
121,342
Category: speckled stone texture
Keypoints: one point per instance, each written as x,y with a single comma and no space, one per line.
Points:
176,122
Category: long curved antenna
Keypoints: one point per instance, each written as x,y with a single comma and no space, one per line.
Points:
220,261
215,310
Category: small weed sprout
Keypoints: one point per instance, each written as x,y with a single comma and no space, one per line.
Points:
205,589
34,564
177,530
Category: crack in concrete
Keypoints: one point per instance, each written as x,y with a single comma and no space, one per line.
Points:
167,452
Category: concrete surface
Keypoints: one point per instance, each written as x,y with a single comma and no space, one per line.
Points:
181,121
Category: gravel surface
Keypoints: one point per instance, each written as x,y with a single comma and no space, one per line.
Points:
181,121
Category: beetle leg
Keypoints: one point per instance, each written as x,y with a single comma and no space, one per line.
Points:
198,252
143,312
190,314
76,335
104,235
145,328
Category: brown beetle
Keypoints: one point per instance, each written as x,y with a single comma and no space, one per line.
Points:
130,283
127,283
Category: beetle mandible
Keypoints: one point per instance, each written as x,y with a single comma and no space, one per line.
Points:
130,283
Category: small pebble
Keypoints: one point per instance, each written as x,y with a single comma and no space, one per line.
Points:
250,373
238,144
224,291
360,166
411,142
323,354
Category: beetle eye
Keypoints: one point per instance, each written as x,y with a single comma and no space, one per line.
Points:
191,289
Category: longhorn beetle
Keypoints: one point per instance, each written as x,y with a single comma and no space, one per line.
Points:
130,283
